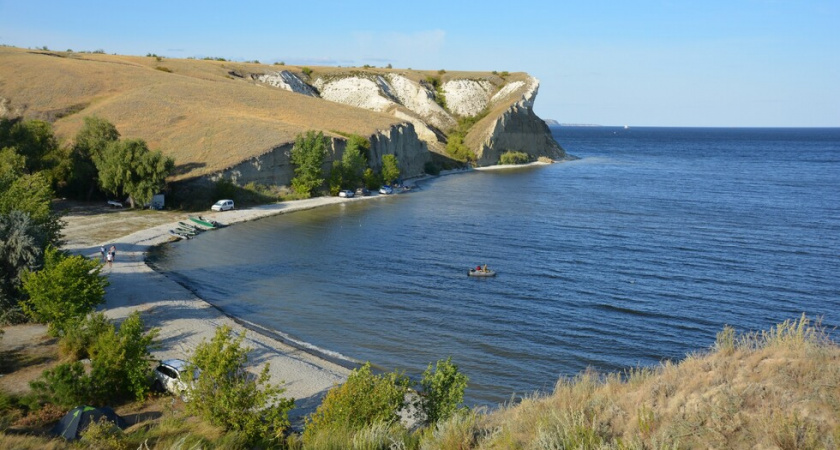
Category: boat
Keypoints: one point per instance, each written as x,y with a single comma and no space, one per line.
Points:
481,273
187,226
203,222
179,234
188,231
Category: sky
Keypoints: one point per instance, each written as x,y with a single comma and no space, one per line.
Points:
735,63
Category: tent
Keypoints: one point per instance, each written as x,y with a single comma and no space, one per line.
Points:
77,419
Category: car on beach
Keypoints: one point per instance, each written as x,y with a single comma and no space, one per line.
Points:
222,205
347,193
386,190
170,376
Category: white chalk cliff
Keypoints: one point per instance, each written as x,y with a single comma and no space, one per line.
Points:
505,105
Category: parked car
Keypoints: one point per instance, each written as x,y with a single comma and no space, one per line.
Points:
222,205
386,190
170,376
362,192
347,193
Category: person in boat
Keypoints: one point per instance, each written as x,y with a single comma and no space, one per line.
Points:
478,268
485,267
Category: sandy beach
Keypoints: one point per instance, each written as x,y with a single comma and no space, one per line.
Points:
185,320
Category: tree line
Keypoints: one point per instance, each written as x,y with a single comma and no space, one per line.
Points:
34,168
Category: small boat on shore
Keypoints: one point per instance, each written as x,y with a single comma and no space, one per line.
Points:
186,226
481,273
205,222
180,234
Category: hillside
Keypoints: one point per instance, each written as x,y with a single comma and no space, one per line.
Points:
238,120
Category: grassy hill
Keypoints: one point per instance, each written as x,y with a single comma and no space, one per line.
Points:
197,111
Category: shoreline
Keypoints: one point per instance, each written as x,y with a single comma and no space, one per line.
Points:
185,320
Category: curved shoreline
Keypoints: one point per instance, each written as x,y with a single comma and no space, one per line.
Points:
185,320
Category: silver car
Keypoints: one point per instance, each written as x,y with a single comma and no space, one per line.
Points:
170,377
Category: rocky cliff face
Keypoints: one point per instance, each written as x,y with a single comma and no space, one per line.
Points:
510,123
274,167
517,128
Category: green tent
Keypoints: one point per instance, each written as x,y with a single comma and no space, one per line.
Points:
77,419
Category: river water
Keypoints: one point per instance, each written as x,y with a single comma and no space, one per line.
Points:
641,250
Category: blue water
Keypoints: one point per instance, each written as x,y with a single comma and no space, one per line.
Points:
641,250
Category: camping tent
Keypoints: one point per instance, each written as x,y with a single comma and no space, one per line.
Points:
77,419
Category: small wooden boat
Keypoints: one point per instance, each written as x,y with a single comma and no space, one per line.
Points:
481,273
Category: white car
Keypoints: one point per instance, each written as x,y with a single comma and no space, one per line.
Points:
170,376
222,205
346,193
386,190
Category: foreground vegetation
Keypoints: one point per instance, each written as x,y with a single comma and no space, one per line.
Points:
772,389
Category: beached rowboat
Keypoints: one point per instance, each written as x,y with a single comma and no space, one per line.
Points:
203,222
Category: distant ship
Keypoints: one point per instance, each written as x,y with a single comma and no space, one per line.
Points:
626,127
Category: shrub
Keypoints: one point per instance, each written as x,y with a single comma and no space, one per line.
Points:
120,361
363,400
104,435
65,385
513,157
227,396
163,69
64,291
442,390
77,340
306,71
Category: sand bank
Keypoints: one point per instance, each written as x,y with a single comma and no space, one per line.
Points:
184,320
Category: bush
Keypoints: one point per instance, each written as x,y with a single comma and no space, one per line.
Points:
442,391
77,340
308,155
64,291
363,400
120,361
65,385
119,368
512,157
227,396
306,71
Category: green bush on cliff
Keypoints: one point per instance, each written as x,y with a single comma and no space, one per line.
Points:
513,157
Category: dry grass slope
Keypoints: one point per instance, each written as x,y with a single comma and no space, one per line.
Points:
198,112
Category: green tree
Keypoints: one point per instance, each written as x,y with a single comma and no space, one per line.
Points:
308,155
371,179
354,161
129,167
64,291
21,249
227,396
364,399
120,361
89,146
32,139
31,194
442,391
390,168
119,366
336,180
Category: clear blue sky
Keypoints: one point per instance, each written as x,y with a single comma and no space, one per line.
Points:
667,63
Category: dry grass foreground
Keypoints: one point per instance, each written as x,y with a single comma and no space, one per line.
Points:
773,389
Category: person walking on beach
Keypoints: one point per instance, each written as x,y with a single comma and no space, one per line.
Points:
102,253
113,252
110,260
